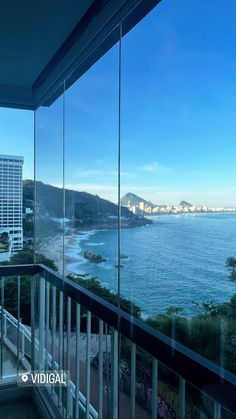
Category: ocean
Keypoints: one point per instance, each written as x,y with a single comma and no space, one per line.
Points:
178,260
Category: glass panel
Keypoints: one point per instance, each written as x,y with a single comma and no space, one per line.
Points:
226,415
91,142
49,185
16,202
8,326
157,390
15,337
140,383
198,404
178,175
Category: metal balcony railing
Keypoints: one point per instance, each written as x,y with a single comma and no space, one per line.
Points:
107,356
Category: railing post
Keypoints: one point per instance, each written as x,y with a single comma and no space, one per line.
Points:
54,311
2,327
23,343
154,387
88,364
32,323
114,374
61,345
77,381
181,398
47,311
18,325
68,396
100,370
217,411
42,323
133,380
107,372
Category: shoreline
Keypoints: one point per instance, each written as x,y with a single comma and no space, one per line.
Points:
189,213
53,248
78,240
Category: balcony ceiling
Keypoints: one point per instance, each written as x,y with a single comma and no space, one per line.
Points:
41,42
33,33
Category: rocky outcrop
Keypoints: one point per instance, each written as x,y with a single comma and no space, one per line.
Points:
92,257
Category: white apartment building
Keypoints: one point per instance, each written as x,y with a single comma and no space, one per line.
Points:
11,232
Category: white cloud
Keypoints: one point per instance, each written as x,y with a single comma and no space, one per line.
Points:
159,194
87,187
155,168
107,173
86,173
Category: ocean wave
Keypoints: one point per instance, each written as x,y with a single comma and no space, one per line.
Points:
105,265
86,234
75,266
95,244
73,251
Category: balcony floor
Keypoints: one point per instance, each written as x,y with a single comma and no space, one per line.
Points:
22,410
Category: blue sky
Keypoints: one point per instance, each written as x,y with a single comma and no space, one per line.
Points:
178,113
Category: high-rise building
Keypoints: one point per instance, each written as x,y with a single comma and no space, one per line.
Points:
11,233
142,206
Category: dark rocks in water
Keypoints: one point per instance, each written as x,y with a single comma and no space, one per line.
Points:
92,257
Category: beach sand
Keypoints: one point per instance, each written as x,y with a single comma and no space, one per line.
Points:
65,254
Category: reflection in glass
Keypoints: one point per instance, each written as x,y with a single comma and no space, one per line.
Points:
178,177
49,185
16,166
91,138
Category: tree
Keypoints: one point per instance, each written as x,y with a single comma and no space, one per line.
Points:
231,265
209,307
174,311
10,286
26,257
95,286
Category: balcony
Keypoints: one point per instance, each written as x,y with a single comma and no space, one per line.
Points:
119,124
88,340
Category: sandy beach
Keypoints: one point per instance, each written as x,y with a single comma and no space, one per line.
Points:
65,254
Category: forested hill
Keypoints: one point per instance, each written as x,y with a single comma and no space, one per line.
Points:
78,205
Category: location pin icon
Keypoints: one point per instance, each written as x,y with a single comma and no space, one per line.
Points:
24,378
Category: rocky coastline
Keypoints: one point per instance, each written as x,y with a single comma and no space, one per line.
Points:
108,223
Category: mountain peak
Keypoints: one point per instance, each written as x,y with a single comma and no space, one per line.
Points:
134,199
185,204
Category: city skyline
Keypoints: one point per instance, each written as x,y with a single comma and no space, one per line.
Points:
178,129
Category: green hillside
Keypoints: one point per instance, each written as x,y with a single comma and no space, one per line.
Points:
81,207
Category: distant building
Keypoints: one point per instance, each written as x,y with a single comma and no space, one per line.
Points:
142,206
28,211
11,232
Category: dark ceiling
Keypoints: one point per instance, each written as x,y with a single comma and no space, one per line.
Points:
33,31
41,42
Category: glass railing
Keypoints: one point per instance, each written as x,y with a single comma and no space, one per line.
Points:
113,364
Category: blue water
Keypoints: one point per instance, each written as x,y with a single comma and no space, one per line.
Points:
173,262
